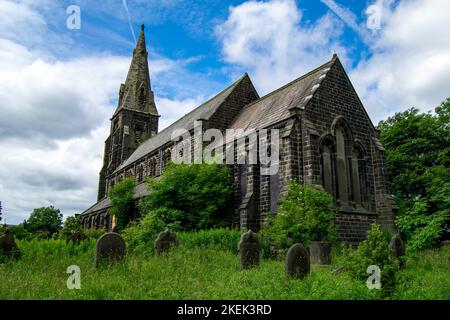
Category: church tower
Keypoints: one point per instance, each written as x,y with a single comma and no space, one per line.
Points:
136,117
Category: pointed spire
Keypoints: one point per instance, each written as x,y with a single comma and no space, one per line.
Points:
140,46
136,93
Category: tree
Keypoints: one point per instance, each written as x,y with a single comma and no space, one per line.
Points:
305,214
122,202
71,225
45,219
191,197
418,159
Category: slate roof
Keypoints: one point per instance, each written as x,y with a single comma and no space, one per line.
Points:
264,112
274,107
204,111
139,191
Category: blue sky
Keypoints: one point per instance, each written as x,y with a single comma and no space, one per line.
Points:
58,87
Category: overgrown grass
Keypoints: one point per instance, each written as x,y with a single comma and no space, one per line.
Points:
202,272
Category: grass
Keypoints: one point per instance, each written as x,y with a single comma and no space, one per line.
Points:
199,273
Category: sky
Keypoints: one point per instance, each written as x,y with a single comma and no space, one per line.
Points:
59,85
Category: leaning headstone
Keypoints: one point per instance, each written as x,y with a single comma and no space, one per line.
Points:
8,245
110,247
249,249
397,249
320,252
76,237
165,240
298,264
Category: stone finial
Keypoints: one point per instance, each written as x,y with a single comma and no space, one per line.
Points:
298,264
165,240
249,249
142,27
110,247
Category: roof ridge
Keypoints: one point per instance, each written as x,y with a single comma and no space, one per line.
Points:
292,82
181,118
201,105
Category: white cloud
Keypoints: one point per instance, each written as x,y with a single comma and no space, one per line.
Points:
269,40
55,113
410,61
175,109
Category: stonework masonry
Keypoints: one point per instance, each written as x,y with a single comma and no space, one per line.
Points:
326,138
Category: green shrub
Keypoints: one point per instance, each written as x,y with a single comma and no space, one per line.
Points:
94,233
422,222
192,197
139,237
305,214
372,251
20,232
71,225
122,202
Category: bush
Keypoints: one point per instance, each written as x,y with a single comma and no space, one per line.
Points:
140,236
94,233
422,222
305,214
71,225
122,202
372,251
191,197
20,232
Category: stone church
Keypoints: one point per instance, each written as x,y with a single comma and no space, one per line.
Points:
325,138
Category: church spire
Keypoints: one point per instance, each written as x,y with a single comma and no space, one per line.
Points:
136,93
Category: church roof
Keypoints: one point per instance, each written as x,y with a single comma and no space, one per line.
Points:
275,106
139,191
204,111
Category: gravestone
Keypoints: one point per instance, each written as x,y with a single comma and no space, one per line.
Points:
249,249
110,247
397,249
76,237
8,245
320,252
298,264
165,240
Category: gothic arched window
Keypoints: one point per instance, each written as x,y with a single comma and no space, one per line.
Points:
344,145
328,164
140,175
152,167
359,176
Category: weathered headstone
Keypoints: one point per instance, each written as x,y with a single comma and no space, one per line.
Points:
320,252
397,249
76,237
8,245
249,249
298,264
165,240
110,247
